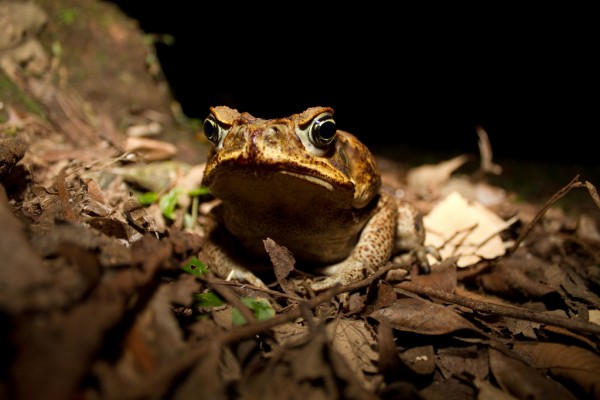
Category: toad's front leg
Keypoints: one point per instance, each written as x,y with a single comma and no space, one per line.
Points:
396,228
373,249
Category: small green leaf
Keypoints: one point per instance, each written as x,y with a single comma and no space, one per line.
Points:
237,318
207,300
195,267
168,39
260,307
188,221
202,190
57,49
147,198
68,16
168,203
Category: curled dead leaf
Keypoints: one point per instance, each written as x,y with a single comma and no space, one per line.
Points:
570,362
464,361
522,381
150,149
283,263
427,179
520,275
420,359
354,341
424,317
443,276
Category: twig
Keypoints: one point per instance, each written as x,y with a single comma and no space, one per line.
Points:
485,150
271,292
555,197
503,310
592,190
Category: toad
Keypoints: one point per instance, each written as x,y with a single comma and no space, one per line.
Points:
308,186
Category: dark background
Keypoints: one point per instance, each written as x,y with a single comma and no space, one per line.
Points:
420,79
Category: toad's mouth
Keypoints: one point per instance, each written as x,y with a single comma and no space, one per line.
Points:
310,178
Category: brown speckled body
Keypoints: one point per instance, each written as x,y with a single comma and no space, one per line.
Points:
322,202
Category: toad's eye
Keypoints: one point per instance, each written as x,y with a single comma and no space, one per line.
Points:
212,130
322,130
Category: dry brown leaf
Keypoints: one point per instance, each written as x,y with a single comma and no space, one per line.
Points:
207,375
385,296
24,283
138,216
109,226
520,274
155,338
559,334
289,333
54,343
579,287
482,192
160,176
488,391
150,128
150,149
424,317
356,303
283,263
308,370
571,362
442,276
587,229
426,179
181,290
354,340
468,229
522,381
11,151
448,389
389,362
470,361
420,359
522,327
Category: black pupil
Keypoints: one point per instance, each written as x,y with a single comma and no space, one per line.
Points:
327,130
209,128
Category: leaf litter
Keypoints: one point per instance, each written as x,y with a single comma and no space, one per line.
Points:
103,296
